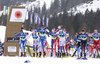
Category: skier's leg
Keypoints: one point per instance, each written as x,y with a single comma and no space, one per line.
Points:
60,51
81,50
44,41
40,45
84,50
36,50
52,41
63,50
95,48
91,50
21,47
58,46
33,50
24,45
98,46
55,46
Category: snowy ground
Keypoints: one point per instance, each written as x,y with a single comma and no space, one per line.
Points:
47,61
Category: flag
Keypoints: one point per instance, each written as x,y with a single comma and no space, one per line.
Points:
26,16
35,18
47,21
43,19
8,11
31,20
4,10
18,15
0,7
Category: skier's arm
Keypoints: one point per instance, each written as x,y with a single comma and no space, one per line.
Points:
49,34
38,29
47,31
29,36
17,35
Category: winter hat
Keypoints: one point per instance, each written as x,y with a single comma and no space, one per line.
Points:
59,27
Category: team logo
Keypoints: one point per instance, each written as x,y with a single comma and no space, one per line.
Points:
18,14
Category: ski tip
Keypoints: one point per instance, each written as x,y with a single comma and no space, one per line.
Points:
79,58
82,59
27,61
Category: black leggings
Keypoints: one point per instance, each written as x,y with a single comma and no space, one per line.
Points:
83,45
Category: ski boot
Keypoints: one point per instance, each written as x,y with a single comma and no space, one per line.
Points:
98,56
24,54
90,55
39,54
84,55
21,54
51,54
81,55
78,56
94,56
56,54
60,54
0,54
67,54
44,54
63,54
34,54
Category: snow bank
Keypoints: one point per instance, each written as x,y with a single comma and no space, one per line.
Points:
2,33
92,5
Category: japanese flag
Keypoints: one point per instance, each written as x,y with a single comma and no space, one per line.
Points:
18,15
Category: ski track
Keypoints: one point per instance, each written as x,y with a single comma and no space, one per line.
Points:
47,61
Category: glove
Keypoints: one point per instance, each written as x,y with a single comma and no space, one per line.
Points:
14,32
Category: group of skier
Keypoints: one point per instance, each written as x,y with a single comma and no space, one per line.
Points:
63,44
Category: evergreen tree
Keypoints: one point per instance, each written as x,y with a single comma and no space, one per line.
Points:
44,8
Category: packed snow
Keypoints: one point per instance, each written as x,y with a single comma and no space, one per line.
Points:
47,61
81,8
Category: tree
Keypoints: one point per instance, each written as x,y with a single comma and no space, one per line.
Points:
44,8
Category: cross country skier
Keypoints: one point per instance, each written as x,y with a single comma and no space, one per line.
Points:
57,30
61,36
35,42
83,36
23,41
53,40
67,46
91,46
42,34
96,41
72,46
